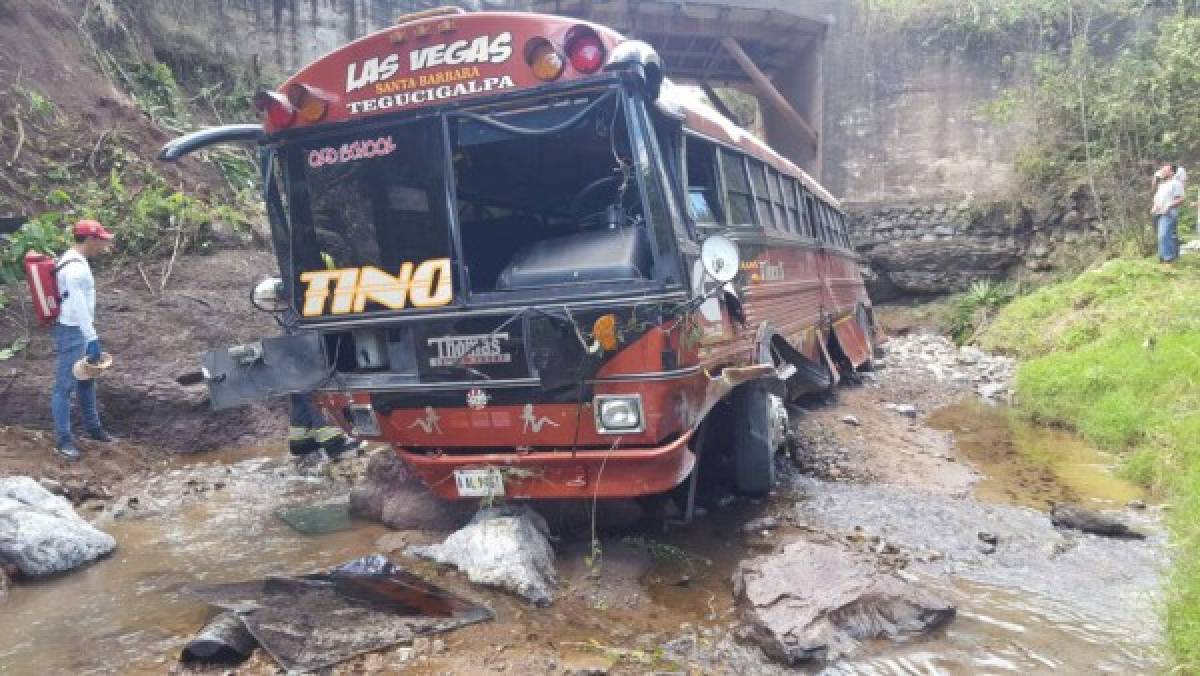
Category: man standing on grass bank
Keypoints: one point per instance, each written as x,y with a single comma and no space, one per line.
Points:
75,337
1168,197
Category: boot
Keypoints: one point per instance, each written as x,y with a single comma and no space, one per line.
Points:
301,441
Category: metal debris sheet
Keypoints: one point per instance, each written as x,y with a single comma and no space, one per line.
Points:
313,621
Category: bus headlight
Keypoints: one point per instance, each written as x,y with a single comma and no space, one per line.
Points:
618,414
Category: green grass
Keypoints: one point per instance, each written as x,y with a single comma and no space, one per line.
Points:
1115,355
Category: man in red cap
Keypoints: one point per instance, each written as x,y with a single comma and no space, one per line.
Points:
75,336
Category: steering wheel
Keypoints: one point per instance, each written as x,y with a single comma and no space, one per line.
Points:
595,194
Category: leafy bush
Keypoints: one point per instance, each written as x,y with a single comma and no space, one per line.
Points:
975,308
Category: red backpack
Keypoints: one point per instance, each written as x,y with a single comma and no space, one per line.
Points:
42,274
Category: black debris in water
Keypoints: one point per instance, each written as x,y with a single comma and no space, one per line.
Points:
224,640
1066,515
314,621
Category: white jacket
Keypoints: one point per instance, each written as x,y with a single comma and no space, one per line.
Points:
78,291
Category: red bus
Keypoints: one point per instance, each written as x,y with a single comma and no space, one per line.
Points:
515,252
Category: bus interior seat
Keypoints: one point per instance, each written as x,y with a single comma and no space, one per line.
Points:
489,245
611,254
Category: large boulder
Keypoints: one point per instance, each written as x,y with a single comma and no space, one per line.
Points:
41,534
818,602
503,547
393,496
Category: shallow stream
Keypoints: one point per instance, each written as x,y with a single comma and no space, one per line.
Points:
1043,602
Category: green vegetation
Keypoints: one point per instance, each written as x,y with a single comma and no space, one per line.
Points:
976,307
63,171
1115,355
973,24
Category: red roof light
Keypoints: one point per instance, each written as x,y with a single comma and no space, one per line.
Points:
585,50
279,111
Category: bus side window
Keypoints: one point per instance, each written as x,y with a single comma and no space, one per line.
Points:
737,185
703,188
789,198
814,217
781,221
758,180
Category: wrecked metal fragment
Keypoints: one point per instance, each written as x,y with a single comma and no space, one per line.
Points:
224,640
314,621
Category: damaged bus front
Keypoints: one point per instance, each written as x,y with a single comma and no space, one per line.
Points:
489,262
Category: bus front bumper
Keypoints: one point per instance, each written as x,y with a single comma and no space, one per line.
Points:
616,473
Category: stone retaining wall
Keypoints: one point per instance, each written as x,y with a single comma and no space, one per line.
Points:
930,248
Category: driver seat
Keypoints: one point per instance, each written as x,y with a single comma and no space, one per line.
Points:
609,255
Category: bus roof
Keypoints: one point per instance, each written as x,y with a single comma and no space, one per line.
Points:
704,119
443,56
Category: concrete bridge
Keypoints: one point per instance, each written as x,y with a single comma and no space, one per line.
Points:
773,49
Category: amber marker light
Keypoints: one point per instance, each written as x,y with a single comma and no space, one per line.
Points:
311,103
544,59
280,113
604,331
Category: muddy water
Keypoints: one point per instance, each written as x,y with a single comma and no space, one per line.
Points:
129,613
1043,602
1024,464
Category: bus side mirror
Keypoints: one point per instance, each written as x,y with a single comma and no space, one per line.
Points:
720,258
643,61
268,295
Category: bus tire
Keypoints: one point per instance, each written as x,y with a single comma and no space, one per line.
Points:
867,327
753,440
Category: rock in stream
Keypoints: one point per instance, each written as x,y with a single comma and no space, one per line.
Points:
504,547
41,534
818,602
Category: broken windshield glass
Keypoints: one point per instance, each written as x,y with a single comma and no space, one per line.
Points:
371,229
547,196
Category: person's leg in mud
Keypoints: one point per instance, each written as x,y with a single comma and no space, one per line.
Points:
303,419
310,431
68,347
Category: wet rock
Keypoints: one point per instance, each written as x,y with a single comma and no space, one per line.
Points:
818,602
392,496
1066,515
505,547
52,485
40,532
761,524
992,390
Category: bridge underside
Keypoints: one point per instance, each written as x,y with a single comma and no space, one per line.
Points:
769,48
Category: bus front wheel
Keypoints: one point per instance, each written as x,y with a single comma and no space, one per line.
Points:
759,429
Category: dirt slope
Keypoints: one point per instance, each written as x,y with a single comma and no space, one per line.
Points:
155,336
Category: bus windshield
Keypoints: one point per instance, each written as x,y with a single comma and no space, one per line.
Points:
545,195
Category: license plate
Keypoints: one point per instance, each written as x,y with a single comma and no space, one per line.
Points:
479,483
